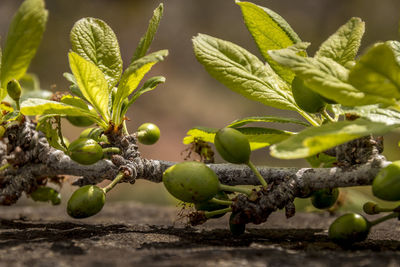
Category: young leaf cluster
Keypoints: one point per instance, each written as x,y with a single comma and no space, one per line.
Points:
100,87
322,88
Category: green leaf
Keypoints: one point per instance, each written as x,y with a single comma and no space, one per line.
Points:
377,72
343,45
23,38
321,159
315,140
95,41
37,106
244,121
257,136
91,82
270,31
29,82
149,85
375,114
147,39
49,126
242,72
74,88
327,78
131,79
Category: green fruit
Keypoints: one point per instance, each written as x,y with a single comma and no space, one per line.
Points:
148,133
232,145
79,121
305,98
191,182
210,206
85,151
386,184
236,229
86,201
95,134
325,198
45,194
14,90
349,228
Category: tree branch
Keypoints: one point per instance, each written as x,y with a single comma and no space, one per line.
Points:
33,160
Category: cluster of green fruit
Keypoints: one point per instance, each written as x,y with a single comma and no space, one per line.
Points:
352,227
194,182
89,200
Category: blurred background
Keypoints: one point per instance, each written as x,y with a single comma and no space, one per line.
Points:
191,97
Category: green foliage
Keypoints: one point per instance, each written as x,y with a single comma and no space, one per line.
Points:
343,45
147,39
34,106
96,66
270,32
315,140
377,72
242,72
23,38
258,137
131,78
92,83
96,42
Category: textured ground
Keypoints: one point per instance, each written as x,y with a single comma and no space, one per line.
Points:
129,234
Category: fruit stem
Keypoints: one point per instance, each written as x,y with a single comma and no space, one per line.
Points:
237,189
111,150
114,182
326,115
257,173
220,201
5,166
384,218
210,214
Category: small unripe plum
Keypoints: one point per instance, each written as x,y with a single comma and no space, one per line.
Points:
386,184
349,228
305,98
85,151
86,201
148,133
232,145
324,198
191,182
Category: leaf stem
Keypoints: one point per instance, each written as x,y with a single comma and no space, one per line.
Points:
237,189
257,173
114,182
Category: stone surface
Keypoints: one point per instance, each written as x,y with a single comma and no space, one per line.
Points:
130,234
